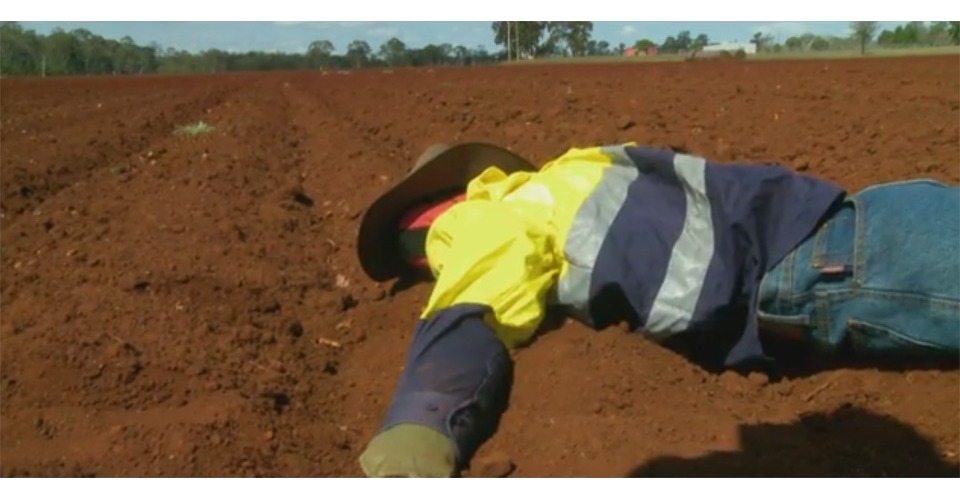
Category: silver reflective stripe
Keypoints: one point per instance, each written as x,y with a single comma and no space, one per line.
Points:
680,291
589,229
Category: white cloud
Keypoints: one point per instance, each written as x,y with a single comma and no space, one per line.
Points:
384,31
628,30
784,29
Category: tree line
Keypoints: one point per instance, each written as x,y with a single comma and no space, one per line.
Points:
541,39
81,52
862,34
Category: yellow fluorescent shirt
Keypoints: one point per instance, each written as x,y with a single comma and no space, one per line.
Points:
503,245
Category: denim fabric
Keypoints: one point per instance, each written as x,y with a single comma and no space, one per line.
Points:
880,278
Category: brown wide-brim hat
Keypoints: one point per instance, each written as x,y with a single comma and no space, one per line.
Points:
441,171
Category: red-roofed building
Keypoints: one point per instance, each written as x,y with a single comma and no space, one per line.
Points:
633,52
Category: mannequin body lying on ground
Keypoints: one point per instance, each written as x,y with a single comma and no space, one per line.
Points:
670,243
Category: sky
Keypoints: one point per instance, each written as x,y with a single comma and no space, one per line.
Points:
296,36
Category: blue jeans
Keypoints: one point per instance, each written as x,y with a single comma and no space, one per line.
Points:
880,279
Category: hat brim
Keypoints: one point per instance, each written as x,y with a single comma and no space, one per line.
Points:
446,173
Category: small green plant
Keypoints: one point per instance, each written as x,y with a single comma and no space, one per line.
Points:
196,129
118,170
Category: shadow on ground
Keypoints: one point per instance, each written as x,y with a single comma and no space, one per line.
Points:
849,442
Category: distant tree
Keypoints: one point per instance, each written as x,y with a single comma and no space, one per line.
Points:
577,35
446,53
863,31
149,58
129,58
21,50
480,54
598,48
463,55
886,37
819,44
938,33
502,34
215,61
670,45
63,53
552,46
319,52
85,38
643,45
955,32
763,41
433,55
911,33
393,52
359,53
899,35
98,54
684,41
793,43
523,34
622,47
917,31
572,36
697,45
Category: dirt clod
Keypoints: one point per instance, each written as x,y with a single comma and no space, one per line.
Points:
495,465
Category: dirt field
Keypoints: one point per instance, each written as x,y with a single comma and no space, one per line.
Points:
164,297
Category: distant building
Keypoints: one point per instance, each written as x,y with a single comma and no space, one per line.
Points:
747,47
633,52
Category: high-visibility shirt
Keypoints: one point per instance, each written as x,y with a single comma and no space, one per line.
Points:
666,241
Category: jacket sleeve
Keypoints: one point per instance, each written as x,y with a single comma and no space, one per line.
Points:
494,269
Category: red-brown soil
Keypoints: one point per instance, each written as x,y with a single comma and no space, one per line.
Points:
168,301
